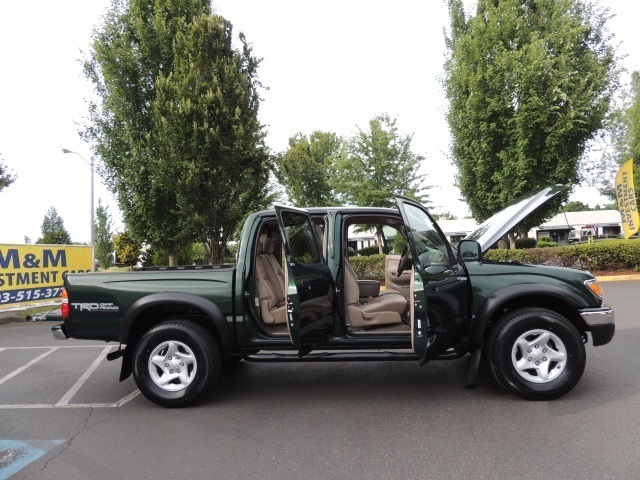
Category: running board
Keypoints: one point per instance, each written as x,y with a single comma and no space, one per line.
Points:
375,356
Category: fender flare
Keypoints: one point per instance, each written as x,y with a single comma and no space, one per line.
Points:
209,308
498,298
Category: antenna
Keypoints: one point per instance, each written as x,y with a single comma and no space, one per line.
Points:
576,243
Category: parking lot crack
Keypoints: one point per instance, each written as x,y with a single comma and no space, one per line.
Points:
57,388
66,446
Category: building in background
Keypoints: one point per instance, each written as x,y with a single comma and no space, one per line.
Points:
580,226
575,227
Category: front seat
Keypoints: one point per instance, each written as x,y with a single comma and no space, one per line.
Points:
383,310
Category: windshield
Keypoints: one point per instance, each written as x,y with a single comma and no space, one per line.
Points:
431,247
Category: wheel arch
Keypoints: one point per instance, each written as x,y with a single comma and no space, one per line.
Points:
525,295
156,308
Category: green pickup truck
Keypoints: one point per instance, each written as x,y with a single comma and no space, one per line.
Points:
293,296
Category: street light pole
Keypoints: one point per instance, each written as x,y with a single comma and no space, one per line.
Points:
93,223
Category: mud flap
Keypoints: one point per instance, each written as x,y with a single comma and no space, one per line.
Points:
474,366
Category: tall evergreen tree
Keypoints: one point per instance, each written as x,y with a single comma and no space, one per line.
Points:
104,237
529,83
130,50
53,231
175,122
208,134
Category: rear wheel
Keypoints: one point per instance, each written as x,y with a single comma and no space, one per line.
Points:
536,353
175,363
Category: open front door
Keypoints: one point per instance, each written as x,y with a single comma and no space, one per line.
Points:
441,285
310,285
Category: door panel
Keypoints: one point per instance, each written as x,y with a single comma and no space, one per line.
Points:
441,292
309,282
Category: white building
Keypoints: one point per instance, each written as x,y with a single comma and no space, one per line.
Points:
579,226
456,230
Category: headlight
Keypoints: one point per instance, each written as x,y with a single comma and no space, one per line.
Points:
595,287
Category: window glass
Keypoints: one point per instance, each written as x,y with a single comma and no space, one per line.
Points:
301,238
431,247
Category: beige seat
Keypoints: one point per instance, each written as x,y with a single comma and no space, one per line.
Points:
270,284
273,267
383,310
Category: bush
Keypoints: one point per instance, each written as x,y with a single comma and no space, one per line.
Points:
370,267
546,244
605,255
365,252
526,242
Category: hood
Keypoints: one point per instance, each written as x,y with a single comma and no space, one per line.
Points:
505,220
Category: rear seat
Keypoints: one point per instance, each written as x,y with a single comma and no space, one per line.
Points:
270,282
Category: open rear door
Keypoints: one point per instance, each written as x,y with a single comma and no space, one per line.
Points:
310,285
441,293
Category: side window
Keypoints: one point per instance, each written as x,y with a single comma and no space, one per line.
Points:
431,247
364,239
301,236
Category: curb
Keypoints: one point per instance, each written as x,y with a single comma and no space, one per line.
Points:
617,278
6,320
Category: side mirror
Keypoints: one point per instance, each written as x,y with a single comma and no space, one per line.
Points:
469,251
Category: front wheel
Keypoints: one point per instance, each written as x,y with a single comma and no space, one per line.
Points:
536,353
175,363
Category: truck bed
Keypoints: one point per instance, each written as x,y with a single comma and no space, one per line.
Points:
98,302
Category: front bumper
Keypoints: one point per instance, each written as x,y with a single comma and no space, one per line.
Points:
601,323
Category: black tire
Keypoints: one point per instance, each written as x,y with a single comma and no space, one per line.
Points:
192,375
552,341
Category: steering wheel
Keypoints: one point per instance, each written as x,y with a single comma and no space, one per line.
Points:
404,259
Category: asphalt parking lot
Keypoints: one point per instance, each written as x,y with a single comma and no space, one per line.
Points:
63,414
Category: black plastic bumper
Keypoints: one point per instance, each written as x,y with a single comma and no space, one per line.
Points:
600,322
602,334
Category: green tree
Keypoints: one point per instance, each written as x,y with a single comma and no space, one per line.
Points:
131,49
624,133
128,248
399,243
445,216
305,170
529,83
186,256
53,231
378,164
208,134
104,237
6,178
576,206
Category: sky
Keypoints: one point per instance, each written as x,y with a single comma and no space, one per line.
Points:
328,65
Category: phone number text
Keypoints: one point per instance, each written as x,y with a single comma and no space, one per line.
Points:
26,295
